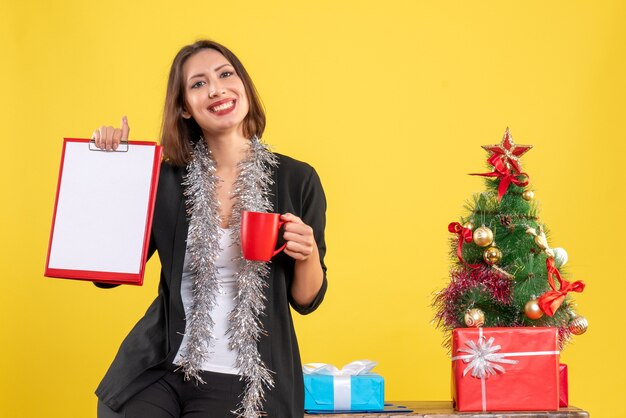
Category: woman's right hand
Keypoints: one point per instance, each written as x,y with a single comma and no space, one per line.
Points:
108,138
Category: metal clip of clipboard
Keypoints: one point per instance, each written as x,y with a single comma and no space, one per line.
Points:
123,147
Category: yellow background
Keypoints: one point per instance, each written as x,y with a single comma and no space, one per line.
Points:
390,101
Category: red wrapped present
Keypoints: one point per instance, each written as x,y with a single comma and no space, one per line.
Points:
505,369
563,389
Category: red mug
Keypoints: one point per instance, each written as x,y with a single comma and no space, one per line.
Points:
259,234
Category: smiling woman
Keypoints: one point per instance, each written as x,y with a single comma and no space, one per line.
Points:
219,338
178,126
214,94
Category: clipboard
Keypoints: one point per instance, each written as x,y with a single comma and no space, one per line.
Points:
103,212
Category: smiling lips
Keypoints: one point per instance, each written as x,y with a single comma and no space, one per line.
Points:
222,107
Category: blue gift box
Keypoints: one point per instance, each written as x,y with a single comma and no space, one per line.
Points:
363,392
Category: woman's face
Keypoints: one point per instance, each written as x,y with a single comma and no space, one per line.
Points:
215,96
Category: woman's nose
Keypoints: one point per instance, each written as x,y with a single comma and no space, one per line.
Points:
215,90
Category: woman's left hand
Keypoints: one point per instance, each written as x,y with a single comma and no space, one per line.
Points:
299,237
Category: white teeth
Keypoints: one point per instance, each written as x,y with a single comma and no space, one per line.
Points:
223,107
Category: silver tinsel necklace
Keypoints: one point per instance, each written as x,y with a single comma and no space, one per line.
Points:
251,192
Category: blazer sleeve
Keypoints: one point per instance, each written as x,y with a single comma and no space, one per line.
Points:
314,215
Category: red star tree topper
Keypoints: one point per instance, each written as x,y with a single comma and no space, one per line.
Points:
505,161
509,152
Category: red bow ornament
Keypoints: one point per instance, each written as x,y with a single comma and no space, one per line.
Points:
465,235
550,301
506,175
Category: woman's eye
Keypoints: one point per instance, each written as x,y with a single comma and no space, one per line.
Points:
198,84
226,74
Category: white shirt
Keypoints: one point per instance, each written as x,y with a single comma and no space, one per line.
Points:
221,357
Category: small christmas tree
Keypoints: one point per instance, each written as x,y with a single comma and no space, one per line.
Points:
505,273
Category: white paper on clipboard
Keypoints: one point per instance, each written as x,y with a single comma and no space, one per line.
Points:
103,212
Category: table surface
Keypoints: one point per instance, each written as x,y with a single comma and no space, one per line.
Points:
443,409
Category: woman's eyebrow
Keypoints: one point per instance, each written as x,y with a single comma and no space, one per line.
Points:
222,66
196,76
216,69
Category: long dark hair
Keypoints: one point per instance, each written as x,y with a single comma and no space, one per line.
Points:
177,133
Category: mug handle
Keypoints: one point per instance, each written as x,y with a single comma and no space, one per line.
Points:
282,247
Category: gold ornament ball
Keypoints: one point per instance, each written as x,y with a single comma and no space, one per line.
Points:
468,225
492,255
474,318
532,309
578,325
528,195
483,236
